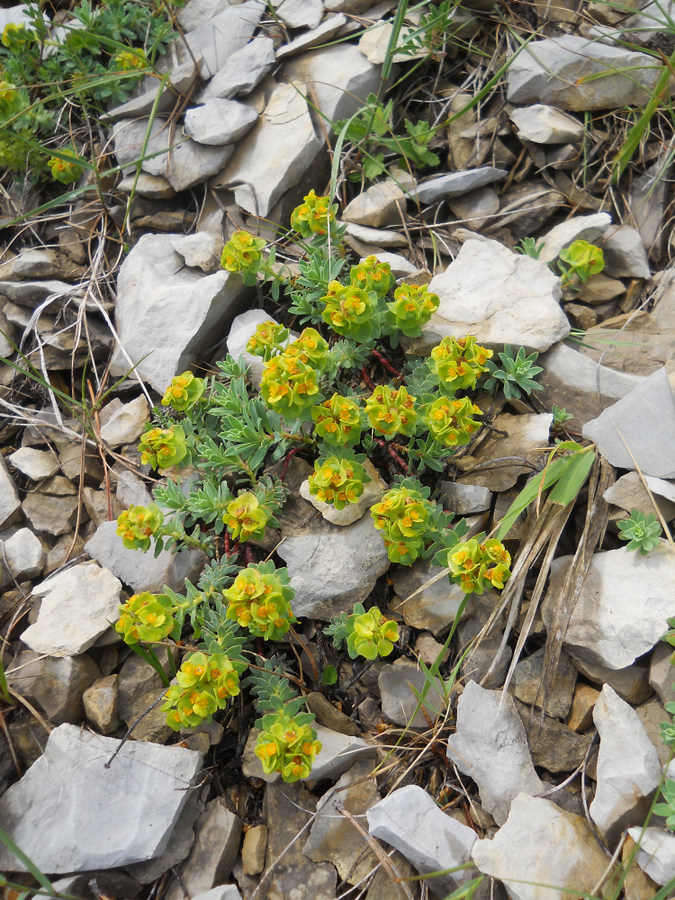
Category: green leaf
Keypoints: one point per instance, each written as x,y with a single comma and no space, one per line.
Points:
329,675
573,477
551,474
3,684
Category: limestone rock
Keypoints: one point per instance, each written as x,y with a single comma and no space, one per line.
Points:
624,601
168,307
56,685
69,824
253,850
642,422
630,493
628,769
578,228
242,72
453,184
219,121
320,35
554,746
9,497
142,571
100,704
243,327
661,675
77,608
572,858
631,683
338,753
300,13
624,252
545,125
490,745
410,821
581,712
35,464
331,567
378,237
333,838
23,557
400,686
274,155
372,492
50,515
465,499
573,73
214,41
656,854
436,605
499,297
380,204
201,250
527,677
123,423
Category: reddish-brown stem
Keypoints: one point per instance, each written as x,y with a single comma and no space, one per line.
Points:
393,454
366,378
248,555
287,461
384,362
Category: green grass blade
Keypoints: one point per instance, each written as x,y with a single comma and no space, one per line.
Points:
28,863
529,494
3,684
573,478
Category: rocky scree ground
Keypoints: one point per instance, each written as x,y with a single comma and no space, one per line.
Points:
522,794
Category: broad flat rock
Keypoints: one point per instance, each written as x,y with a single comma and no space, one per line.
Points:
624,601
23,557
527,677
410,821
274,155
219,121
77,607
499,297
400,687
628,768
573,73
454,184
629,493
540,844
242,72
320,35
167,308
55,684
69,813
490,745
36,464
656,855
332,567
380,204
578,228
546,125
436,605
639,430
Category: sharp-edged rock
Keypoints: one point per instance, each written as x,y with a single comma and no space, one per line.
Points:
400,687
628,769
578,74
9,497
123,423
624,252
435,606
410,821
69,824
543,124
639,430
656,853
35,464
499,297
320,35
380,204
242,72
527,678
23,557
332,567
100,704
629,492
578,228
77,608
490,745
540,844
55,684
300,13
219,121
453,184
372,492
168,307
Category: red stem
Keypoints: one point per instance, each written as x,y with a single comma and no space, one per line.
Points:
384,362
248,555
366,378
287,461
393,454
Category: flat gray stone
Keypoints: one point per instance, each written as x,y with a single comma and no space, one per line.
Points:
624,601
527,677
50,515
656,853
410,821
142,571
465,499
490,745
435,606
399,686
628,769
639,429
274,155
578,228
453,184
62,814
320,35
9,497
242,72
214,41
499,297
540,844
35,464
332,568
54,684
219,121
169,309
573,73
123,423
300,13
625,254
23,557
543,124
77,607
380,204
629,493
378,237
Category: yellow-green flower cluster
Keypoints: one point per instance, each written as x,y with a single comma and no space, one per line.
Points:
475,564
372,275
289,383
371,635
338,420
15,36
391,411
246,517
184,391
243,253
145,617
65,170
450,421
259,600
163,447
402,515
137,524
204,685
313,216
337,480
267,340
287,745
128,60
411,308
351,311
458,362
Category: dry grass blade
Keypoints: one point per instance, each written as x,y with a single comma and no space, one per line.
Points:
597,513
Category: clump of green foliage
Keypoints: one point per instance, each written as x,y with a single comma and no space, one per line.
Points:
315,398
517,373
578,262
90,62
643,532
